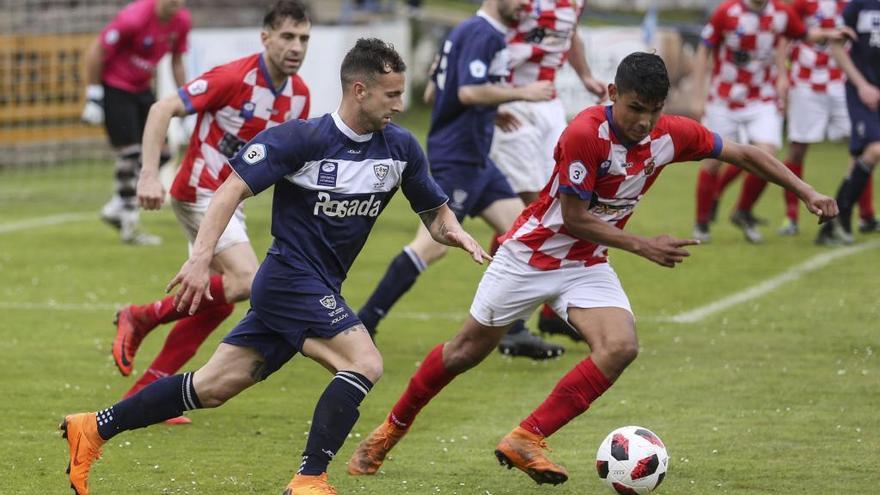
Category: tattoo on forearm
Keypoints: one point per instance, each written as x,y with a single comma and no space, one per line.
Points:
428,217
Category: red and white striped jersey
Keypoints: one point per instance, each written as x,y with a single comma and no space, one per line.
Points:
539,43
234,102
593,163
811,64
743,43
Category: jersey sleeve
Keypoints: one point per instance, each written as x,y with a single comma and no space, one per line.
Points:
210,91
692,141
181,44
714,29
304,114
475,60
851,14
578,158
419,188
794,27
117,33
271,155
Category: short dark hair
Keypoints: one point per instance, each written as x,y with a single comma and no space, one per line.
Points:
644,73
369,57
285,9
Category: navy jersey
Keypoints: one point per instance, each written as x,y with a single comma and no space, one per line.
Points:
330,185
475,53
864,17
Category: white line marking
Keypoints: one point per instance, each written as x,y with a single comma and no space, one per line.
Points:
794,273
56,306
32,223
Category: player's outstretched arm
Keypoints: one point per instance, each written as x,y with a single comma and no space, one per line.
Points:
150,192
445,229
763,164
491,94
577,59
195,272
664,250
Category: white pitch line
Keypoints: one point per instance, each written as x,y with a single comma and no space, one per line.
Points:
32,223
794,273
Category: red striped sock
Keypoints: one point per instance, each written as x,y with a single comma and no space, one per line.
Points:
705,195
570,398
427,382
791,199
182,343
752,188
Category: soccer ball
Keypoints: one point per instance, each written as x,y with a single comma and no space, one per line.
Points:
632,460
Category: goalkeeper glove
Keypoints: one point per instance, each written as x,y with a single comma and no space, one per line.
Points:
93,112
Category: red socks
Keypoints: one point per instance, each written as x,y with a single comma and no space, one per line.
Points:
752,188
791,199
866,201
428,381
182,343
164,311
727,175
705,195
570,398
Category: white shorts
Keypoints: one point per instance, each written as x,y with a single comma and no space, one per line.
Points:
761,122
190,216
525,156
511,290
812,116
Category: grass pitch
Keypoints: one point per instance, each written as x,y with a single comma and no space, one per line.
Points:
777,395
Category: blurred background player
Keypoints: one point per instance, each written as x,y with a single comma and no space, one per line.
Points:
816,99
607,159
743,38
332,177
862,67
543,39
119,66
466,88
234,102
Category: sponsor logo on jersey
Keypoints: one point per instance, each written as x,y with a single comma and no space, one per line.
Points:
197,87
328,302
368,207
254,153
247,110
327,174
577,172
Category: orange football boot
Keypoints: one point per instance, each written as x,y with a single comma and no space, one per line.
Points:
129,334
81,432
180,420
369,455
302,484
523,450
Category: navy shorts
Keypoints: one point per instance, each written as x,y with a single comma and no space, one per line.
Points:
289,305
471,188
865,122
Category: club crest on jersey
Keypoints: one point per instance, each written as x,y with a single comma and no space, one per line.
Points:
328,302
148,41
649,166
478,69
577,172
197,87
381,171
247,110
254,153
327,174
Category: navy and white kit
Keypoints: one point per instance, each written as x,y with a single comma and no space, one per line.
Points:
330,186
460,136
863,16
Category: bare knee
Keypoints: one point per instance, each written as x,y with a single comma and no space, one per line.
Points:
216,390
619,352
237,283
370,366
872,154
467,349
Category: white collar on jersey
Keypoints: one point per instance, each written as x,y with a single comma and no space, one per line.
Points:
495,24
360,138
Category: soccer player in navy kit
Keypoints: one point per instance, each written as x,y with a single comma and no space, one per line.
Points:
862,67
333,176
466,93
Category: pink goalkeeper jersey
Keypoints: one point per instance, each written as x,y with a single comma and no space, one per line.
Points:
594,164
235,102
135,41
